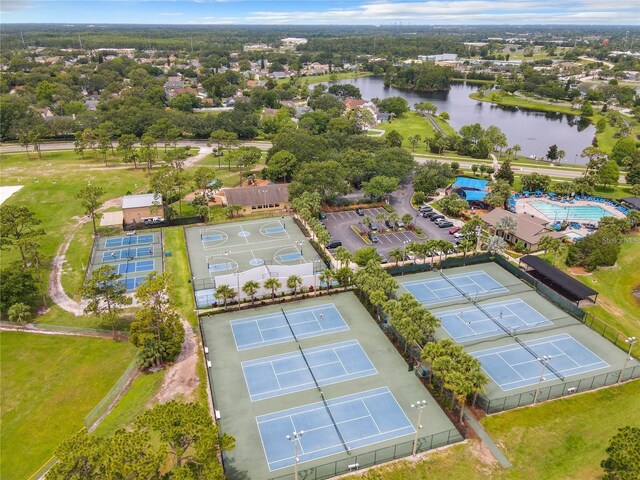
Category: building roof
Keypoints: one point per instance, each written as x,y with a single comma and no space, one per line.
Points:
471,195
568,283
139,201
633,201
261,195
470,183
530,229
352,103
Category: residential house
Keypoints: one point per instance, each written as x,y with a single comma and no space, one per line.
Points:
529,231
353,103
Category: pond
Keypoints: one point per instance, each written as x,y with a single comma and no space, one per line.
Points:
533,131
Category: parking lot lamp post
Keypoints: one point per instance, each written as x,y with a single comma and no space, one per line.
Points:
420,405
404,250
295,438
543,360
631,341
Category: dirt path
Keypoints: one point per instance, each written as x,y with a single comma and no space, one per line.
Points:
204,151
56,291
181,379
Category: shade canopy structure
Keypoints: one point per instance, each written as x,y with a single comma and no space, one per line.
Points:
472,195
470,183
564,284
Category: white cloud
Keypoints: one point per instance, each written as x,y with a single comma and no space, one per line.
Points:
460,12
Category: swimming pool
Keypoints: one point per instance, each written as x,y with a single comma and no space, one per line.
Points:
570,212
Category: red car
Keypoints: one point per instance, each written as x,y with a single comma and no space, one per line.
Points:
454,230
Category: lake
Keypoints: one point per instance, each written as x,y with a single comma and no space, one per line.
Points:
534,131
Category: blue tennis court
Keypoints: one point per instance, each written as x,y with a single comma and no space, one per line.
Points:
436,290
270,329
288,373
218,267
123,254
512,366
471,323
132,283
273,230
130,240
135,267
290,257
213,237
363,418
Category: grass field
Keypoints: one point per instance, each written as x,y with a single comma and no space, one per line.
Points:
410,124
311,79
49,384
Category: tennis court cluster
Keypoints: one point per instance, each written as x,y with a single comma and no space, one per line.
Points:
522,340
268,247
133,256
321,366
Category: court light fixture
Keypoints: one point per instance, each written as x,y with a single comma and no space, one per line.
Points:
420,405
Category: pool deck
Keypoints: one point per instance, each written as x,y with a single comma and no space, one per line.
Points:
523,205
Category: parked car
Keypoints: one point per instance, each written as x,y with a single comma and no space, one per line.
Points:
445,224
425,208
383,259
430,215
454,230
388,223
359,212
153,221
399,224
334,244
322,216
436,217
373,237
373,226
459,235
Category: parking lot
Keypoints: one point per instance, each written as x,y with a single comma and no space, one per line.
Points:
339,225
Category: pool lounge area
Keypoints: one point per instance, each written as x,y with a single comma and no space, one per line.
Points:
580,213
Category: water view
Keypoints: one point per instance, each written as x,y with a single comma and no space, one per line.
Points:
533,131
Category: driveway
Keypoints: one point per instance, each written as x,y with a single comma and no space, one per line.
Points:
401,201
339,225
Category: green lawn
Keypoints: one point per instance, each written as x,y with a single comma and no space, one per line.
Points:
132,403
49,384
311,79
616,304
555,440
407,125
178,266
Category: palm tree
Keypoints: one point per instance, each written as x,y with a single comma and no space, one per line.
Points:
407,219
516,150
19,313
224,293
272,284
251,288
344,276
393,218
343,256
396,254
294,282
381,217
326,276
415,140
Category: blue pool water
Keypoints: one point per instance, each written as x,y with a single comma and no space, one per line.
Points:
570,212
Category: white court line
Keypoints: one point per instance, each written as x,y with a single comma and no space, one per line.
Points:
371,416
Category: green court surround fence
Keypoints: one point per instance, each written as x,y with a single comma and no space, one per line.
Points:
567,388
376,457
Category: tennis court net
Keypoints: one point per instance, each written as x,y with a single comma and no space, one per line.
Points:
546,363
315,380
506,330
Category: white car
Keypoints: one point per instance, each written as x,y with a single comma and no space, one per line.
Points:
459,235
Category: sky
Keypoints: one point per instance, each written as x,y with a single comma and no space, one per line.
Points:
323,12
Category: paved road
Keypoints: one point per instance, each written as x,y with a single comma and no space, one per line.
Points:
401,201
12,148
421,158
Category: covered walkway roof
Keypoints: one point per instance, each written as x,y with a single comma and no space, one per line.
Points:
558,280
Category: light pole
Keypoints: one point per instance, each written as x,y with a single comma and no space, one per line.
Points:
543,360
420,405
631,341
404,250
295,438
299,245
